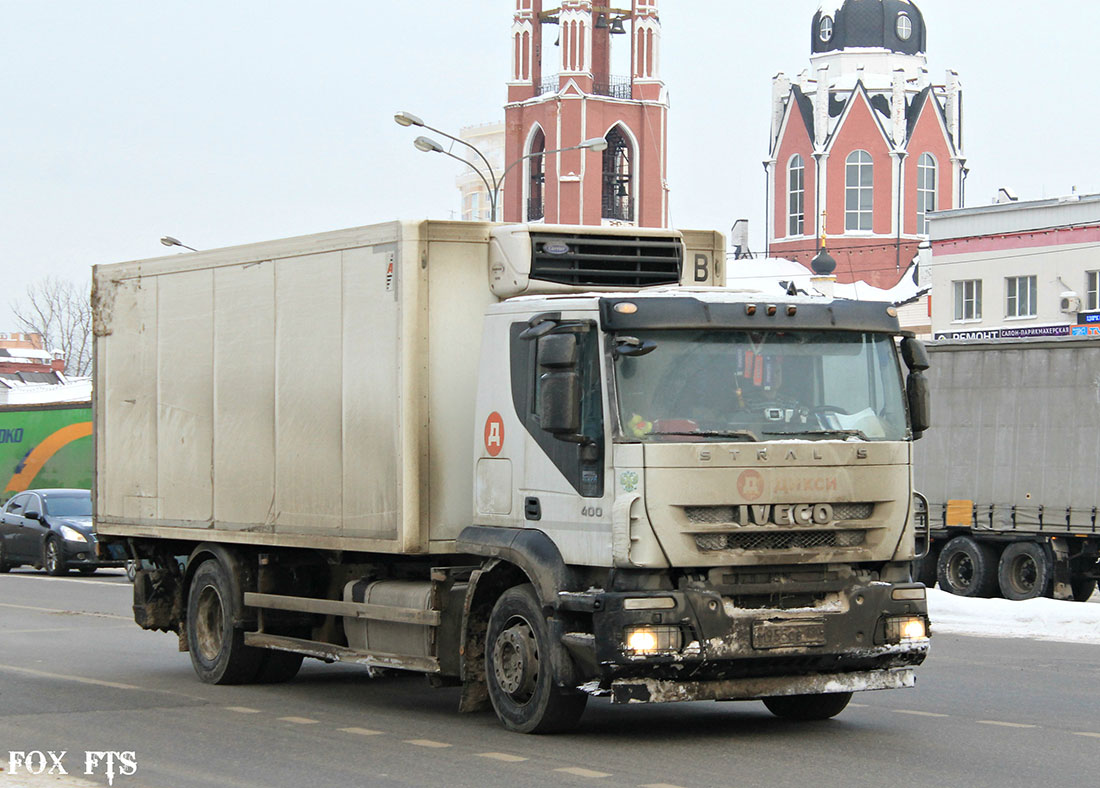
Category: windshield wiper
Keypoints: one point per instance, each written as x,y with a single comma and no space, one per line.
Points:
823,433
739,434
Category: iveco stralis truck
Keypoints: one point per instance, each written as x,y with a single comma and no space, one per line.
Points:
539,462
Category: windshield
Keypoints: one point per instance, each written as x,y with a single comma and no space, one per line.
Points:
726,385
69,505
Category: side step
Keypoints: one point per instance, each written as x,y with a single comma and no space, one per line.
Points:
333,653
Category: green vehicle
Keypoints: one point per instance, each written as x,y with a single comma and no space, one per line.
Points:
45,446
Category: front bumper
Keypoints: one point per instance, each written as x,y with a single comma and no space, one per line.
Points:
723,651
93,554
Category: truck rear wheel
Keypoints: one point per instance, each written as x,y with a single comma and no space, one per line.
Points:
1025,571
1082,588
218,652
808,707
519,668
968,568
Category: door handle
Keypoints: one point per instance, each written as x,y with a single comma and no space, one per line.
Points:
532,509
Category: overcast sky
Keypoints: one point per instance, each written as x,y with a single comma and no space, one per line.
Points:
229,122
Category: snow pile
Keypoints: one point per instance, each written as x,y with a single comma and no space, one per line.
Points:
1041,619
773,275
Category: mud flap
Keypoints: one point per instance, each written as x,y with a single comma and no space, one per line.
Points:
661,691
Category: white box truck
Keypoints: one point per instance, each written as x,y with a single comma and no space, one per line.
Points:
540,462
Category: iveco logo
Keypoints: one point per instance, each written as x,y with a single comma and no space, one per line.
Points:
556,247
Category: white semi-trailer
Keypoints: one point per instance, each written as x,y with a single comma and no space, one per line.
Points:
540,462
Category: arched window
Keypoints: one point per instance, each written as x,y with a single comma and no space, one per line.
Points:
536,177
618,184
859,191
926,190
796,196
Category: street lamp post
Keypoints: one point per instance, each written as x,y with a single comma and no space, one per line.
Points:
170,241
492,183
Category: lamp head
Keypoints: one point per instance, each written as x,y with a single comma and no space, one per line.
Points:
596,144
428,145
407,119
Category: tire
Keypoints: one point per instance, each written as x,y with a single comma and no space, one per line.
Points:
518,668
967,567
808,707
278,667
53,558
87,571
5,567
1025,571
217,648
924,569
1082,588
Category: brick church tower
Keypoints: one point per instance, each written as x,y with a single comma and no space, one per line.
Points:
865,139
623,185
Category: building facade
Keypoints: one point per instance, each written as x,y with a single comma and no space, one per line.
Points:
863,145
626,184
1017,269
477,199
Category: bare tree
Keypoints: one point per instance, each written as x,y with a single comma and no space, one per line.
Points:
60,311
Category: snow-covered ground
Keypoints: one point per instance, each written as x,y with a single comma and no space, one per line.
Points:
1042,619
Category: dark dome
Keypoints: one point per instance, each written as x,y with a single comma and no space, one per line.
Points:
896,25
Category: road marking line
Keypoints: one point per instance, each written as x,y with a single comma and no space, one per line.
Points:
426,743
502,756
69,580
858,705
1087,733
1007,724
577,771
361,731
919,713
242,709
660,785
299,720
65,612
78,679
62,629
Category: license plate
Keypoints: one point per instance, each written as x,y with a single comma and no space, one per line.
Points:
782,634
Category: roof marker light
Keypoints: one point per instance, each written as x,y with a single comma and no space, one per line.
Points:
626,308
791,310
892,311
750,309
771,310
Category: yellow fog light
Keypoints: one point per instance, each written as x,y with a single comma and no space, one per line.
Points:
651,640
905,629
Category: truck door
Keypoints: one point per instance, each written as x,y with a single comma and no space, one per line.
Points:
563,484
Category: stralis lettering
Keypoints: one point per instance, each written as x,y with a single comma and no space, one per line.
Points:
783,514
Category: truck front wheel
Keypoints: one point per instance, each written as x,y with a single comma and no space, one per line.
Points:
218,652
808,707
519,668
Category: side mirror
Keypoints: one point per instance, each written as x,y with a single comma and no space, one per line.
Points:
557,351
916,390
914,354
560,403
33,516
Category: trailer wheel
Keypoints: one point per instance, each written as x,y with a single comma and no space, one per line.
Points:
1082,588
967,568
218,652
1025,571
519,671
808,707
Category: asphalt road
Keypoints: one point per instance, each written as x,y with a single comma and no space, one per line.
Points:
77,675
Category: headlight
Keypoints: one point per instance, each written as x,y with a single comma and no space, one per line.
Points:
905,629
72,535
640,641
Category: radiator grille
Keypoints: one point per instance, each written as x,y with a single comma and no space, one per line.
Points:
783,540
720,515
610,261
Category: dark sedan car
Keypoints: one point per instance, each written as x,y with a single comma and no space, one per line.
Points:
51,529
